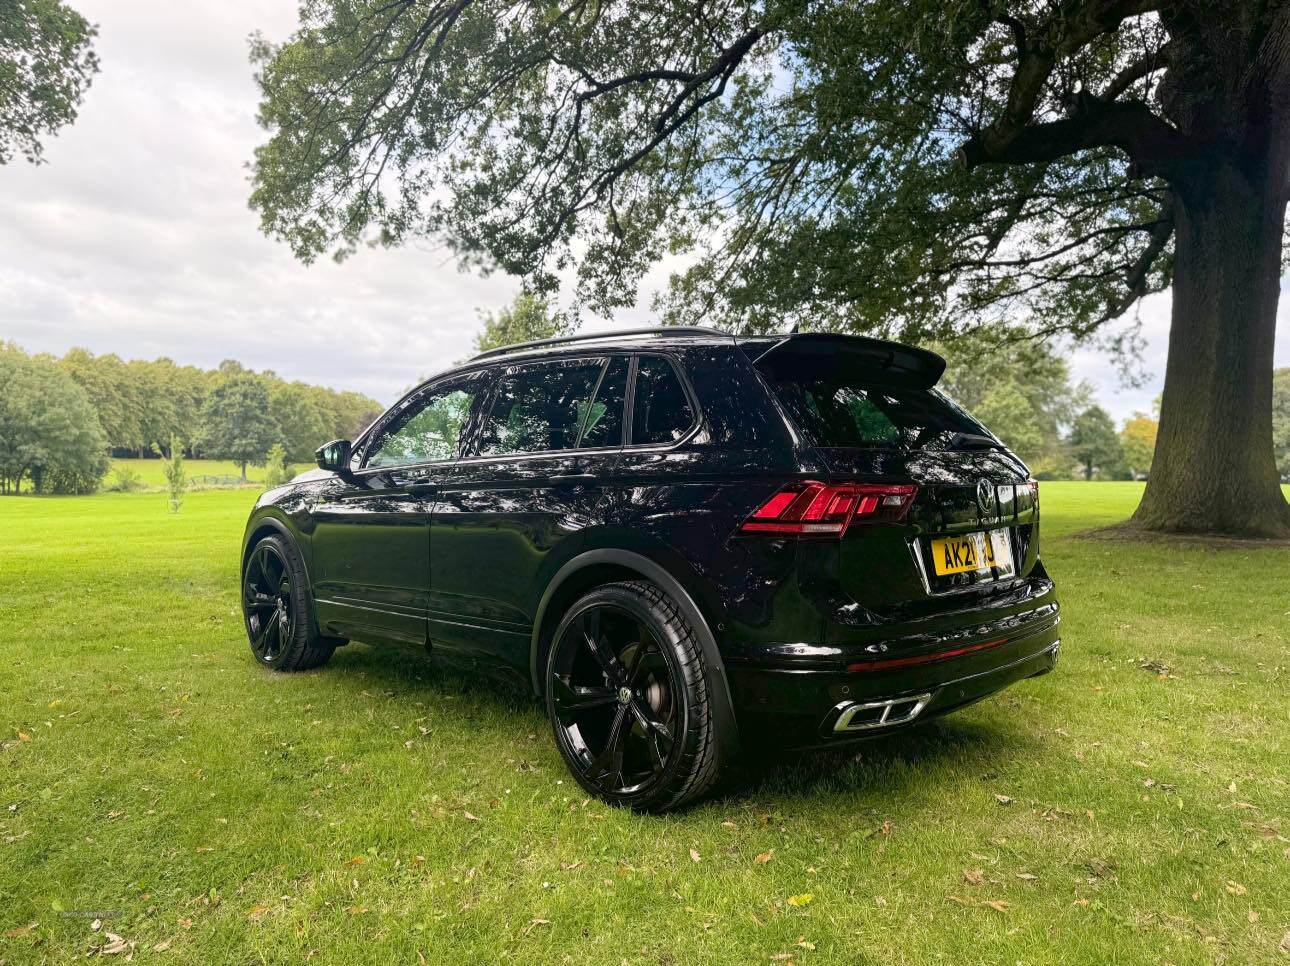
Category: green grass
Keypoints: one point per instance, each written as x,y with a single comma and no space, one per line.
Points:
152,471
152,775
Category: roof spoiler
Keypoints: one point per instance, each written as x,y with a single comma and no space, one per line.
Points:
903,364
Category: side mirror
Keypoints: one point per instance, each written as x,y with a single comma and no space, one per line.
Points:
334,456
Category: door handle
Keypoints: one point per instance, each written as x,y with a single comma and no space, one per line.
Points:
573,479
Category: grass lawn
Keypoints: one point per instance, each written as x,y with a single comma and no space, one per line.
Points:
1131,807
152,471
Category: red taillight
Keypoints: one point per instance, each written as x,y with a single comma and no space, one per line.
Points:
826,509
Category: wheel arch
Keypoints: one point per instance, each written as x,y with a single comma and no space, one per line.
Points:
593,568
268,524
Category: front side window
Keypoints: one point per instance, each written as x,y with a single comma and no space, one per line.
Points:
428,430
661,411
540,408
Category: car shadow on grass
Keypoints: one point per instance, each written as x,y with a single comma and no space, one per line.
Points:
874,773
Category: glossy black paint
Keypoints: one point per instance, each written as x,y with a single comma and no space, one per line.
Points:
478,557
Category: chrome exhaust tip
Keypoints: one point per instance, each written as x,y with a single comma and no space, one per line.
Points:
881,714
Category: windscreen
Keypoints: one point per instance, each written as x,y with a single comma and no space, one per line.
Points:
834,404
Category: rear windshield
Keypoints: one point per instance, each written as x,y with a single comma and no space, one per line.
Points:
835,407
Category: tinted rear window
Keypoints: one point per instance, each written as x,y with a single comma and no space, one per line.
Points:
661,411
837,406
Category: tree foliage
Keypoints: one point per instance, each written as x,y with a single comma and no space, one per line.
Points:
918,169
143,405
1281,421
1096,444
1021,390
49,432
1138,443
527,318
46,65
302,426
811,155
236,423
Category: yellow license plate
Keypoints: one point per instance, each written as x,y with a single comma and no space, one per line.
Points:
972,553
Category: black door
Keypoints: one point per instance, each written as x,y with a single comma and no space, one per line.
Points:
371,539
530,482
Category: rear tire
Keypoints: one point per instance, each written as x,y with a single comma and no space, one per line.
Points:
628,699
278,608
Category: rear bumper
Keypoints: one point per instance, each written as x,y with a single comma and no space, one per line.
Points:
795,705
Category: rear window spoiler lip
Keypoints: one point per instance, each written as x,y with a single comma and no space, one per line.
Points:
921,368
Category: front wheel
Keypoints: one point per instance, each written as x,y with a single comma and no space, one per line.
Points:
628,699
277,606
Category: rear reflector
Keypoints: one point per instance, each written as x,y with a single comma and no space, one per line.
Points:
827,509
924,658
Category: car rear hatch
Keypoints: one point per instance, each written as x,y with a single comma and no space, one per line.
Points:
868,413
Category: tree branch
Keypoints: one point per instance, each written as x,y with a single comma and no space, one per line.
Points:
1151,143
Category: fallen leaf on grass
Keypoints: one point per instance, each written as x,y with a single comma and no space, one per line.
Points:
356,860
534,924
23,736
974,876
1028,876
115,945
802,899
764,857
469,817
1003,799
161,947
257,912
998,905
695,856
21,931
1235,888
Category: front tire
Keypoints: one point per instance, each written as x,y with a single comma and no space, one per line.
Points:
627,695
278,608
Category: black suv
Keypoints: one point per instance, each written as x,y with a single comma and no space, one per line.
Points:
687,543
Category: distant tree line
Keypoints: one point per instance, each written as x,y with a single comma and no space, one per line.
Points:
61,419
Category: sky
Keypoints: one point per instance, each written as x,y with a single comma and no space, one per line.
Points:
136,238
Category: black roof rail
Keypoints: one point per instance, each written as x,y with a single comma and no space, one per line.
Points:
609,334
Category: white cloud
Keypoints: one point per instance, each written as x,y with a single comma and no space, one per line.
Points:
136,238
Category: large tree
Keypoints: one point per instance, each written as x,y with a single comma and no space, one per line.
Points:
1095,443
46,65
49,431
916,169
236,421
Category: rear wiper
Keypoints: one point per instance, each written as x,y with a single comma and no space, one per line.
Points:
972,441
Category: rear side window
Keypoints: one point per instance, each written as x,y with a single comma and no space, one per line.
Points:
540,408
838,406
661,411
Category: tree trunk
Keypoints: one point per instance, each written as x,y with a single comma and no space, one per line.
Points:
1214,470
1269,426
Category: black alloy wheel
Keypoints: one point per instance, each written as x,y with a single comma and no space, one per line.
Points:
627,699
278,609
266,598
